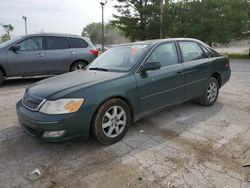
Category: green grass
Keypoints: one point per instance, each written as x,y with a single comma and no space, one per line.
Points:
238,56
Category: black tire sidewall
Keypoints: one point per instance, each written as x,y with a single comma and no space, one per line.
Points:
205,99
1,77
97,123
77,63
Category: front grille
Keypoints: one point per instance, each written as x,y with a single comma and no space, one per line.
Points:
31,102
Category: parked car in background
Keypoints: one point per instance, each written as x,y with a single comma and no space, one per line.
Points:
44,54
124,84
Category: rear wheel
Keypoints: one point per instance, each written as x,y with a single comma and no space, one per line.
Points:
111,121
78,66
210,95
1,77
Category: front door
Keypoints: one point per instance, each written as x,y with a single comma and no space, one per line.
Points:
162,87
29,60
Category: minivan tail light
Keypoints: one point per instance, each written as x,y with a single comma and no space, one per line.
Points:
95,52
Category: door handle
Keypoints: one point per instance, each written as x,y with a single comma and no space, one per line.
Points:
40,54
179,72
72,53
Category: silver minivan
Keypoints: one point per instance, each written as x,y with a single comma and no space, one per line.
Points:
44,54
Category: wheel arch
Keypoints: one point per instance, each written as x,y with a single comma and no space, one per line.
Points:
127,101
3,70
218,77
78,60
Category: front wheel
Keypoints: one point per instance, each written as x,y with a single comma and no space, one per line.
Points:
111,121
211,93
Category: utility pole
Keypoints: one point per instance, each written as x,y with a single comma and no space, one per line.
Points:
103,5
25,22
161,19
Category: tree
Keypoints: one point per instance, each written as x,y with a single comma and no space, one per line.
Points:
207,20
133,18
112,34
8,29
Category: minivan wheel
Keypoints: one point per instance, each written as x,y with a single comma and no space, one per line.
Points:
78,66
211,93
112,121
1,77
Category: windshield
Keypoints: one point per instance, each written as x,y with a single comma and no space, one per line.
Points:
120,59
4,44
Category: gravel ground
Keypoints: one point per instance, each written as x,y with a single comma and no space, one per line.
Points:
183,146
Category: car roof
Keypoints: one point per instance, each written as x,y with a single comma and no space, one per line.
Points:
54,35
156,41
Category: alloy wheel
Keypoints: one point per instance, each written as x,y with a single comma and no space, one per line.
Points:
114,121
212,92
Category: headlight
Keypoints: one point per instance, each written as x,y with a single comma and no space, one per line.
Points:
61,106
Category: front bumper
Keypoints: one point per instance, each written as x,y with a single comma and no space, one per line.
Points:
36,124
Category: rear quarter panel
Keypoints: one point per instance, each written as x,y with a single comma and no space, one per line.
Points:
221,65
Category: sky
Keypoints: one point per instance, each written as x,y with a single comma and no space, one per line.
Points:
57,16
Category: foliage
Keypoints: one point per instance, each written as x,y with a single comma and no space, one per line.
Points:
239,56
208,20
8,29
112,34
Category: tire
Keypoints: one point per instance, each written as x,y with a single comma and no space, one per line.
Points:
211,93
108,127
79,65
1,77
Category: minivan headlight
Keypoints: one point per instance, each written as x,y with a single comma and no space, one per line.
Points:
61,106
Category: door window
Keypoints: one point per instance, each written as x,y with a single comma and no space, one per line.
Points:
166,54
191,51
56,43
78,43
206,52
32,44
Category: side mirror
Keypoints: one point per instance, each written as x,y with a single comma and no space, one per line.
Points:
15,48
150,66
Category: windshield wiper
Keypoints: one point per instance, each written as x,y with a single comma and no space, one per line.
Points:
98,68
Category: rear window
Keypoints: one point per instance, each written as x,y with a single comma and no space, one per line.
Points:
78,43
55,43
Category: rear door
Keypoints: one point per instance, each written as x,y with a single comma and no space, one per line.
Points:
29,60
196,68
164,86
59,54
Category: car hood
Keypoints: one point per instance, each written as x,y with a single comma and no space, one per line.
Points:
58,86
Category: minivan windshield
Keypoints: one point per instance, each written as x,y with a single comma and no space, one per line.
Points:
8,42
118,59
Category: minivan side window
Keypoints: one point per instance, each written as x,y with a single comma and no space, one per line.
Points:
57,43
78,43
166,54
31,44
191,51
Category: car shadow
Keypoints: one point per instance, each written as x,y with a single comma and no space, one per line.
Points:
88,156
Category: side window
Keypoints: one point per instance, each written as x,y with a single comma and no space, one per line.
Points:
166,54
32,44
207,53
191,51
78,43
56,43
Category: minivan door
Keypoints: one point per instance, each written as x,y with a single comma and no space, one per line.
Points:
162,87
29,60
59,55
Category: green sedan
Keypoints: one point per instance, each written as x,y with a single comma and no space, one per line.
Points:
123,85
